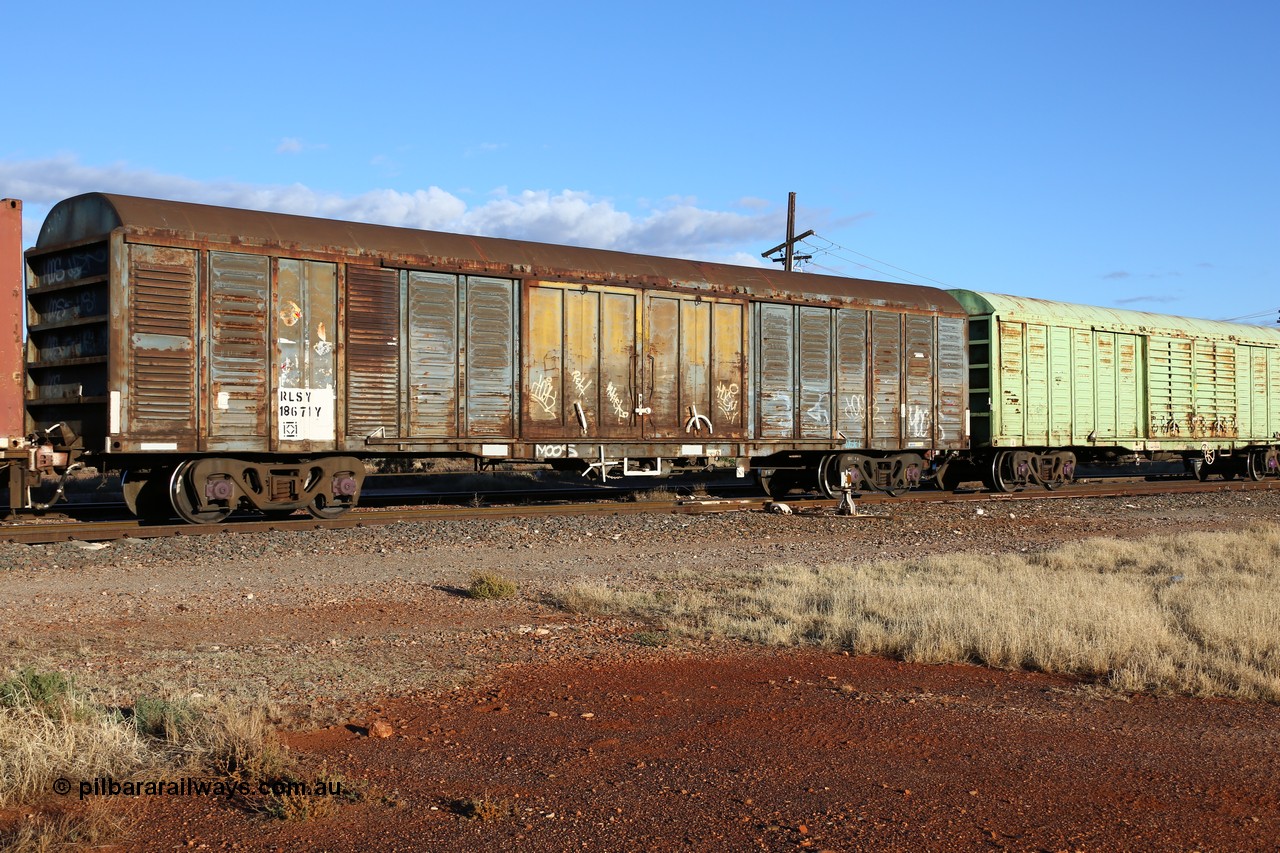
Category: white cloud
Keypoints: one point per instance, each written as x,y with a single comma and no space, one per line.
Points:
574,217
289,145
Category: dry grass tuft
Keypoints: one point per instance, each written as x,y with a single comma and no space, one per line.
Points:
235,739
1197,615
485,586
47,734
97,824
49,730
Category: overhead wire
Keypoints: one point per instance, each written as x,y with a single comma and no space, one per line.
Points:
817,250
1267,313
830,248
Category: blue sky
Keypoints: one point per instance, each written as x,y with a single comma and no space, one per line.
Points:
1116,153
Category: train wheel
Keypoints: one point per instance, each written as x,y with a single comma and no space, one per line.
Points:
182,496
1001,478
1062,470
1201,469
1256,465
323,507
827,469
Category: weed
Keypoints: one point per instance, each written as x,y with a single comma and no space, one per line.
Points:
488,586
292,798
162,719
230,739
651,639
32,689
481,808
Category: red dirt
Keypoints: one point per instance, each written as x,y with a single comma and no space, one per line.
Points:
698,746
752,750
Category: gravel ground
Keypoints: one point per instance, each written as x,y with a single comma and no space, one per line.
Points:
328,626
311,619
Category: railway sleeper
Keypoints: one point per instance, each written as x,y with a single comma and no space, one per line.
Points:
207,490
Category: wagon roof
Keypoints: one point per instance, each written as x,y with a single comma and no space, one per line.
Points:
1024,309
95,215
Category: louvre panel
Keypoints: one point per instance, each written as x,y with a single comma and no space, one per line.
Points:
1170,386
433,354
952,370
777,415
490,357
851,374
815,372
238,374
373,352
1215,387
162,352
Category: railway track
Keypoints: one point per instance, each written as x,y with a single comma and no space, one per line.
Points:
33,531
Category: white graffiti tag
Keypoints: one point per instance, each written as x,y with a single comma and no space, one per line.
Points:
543,393
581,383
918,422
727,399
615,400
854,409
818,411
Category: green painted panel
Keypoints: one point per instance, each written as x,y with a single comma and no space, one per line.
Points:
1074,375
1170,387
1025,310
1105,390
1060,388
1244,395
1129,388
1037,385
1214,414
1260,395
1084,393
1273,401
1011,420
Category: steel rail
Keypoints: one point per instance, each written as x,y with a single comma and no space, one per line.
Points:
33,533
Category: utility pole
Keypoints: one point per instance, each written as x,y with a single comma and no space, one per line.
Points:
789,247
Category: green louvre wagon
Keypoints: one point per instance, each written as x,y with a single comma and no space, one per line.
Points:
1052,383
